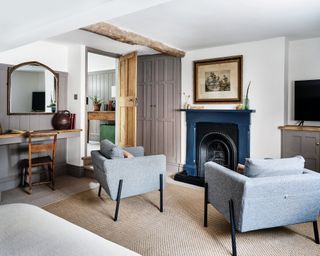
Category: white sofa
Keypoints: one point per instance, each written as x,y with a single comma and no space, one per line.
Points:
29,230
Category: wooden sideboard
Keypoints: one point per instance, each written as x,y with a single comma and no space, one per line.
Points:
99,116
304,141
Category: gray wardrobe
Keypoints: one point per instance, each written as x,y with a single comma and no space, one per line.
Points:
159,101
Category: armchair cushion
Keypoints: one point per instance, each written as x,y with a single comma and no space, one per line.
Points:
110,150
274,167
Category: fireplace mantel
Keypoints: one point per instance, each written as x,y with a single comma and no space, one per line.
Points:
242,118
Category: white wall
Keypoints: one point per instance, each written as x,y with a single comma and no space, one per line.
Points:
98,62
304,64
76,86
264,65
51,54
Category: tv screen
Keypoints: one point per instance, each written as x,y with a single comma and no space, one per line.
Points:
307,100
38,101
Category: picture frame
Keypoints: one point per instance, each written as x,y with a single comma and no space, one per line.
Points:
218,80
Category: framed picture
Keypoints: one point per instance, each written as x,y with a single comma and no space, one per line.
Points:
218,80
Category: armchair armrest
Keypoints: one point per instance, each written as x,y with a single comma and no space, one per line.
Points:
135,151
223,185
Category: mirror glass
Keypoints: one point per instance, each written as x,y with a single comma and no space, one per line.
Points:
33,89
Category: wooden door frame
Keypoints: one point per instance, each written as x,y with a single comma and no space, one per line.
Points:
99,52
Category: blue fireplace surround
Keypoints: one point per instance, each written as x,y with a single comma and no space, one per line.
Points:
242,118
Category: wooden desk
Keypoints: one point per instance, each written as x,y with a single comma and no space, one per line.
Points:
14,138
99,116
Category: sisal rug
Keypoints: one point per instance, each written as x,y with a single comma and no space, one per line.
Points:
179,230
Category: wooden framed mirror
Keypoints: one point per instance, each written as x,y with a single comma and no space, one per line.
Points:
32,89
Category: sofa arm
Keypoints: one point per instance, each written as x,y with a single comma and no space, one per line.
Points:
223,185
140,174
135,151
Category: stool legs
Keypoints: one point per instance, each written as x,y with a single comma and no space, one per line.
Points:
30,180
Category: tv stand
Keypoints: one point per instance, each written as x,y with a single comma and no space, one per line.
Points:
301,123
304,141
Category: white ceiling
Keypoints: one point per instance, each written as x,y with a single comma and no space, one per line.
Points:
193,24
185,24
23,22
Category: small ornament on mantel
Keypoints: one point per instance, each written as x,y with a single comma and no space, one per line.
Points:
186,104
246,105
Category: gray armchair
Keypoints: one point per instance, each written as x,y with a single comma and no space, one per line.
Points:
125,177
259,203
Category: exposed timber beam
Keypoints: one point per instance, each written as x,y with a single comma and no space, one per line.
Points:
118,34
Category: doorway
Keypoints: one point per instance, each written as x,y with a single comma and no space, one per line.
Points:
101,92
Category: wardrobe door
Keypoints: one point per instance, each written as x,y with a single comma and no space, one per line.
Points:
145,128
167,101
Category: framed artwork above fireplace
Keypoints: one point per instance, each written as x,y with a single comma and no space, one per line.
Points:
218,80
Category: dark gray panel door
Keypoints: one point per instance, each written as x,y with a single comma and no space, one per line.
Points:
302,143
145,125
310,150
159,101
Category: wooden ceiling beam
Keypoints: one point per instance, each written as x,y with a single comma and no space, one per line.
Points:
118,34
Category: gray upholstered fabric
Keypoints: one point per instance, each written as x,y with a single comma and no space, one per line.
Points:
274,167
139,174
135,151
110,150
264,202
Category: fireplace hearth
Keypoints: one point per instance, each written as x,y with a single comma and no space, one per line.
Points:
222,136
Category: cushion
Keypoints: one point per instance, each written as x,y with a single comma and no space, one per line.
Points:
127,154
110,150
274,167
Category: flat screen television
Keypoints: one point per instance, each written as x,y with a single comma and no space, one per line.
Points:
307,100
38,101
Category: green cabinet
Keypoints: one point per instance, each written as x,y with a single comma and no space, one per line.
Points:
107,131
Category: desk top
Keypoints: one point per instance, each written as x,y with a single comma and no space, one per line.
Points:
12,138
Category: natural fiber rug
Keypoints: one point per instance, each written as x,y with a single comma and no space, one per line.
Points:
179,230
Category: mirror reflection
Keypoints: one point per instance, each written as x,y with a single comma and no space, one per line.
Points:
33,89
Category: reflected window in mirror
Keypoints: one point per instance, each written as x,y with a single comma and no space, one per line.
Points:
33,89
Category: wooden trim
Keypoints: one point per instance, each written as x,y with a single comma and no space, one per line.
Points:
118,34
300,128
100,52
229,59
36,63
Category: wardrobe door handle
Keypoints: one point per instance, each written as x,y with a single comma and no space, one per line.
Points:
318,143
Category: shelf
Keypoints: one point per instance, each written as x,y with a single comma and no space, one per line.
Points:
219,110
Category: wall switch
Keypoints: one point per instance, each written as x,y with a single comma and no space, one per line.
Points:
75,96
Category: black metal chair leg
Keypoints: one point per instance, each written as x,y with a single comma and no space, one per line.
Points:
23,176
99,193
118,200
233,228
161,192
205,222
316,233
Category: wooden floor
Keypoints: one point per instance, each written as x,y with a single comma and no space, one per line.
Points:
42,195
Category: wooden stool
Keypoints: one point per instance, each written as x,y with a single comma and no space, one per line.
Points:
42,161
